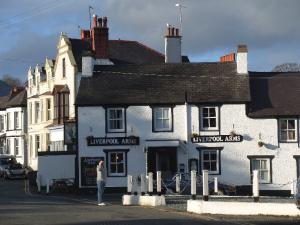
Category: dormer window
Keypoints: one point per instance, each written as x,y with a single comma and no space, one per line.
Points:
288,130
115,119
162,119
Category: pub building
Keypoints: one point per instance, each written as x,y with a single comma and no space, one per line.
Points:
175,117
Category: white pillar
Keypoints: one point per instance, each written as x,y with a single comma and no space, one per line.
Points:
129,184
177,183
143,184
38,182
158,182
48,186
293,188
216,188
134,185
150,183
255,185
193,184
205,185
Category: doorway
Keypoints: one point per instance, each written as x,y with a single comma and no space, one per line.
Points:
162,159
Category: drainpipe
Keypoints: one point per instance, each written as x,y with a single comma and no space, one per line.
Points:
187,129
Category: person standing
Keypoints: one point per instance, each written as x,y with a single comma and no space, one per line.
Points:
101,178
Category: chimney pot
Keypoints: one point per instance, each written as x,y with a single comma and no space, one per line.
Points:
95,20
173,32
100,22
105,21
177,32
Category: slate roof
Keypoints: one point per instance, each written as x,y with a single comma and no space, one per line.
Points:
3,102
17,100
164,84
274,94
121,52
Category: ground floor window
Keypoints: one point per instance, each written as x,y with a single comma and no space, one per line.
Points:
2,146
210,159
297,157
116,163
17,146
263,165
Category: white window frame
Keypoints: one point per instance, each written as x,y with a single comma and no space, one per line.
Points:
37,144
287,130
160,110
110,174
268,169
202,117
17,120
17,146
108,119
48,105
217,161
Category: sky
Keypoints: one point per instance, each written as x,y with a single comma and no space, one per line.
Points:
211,28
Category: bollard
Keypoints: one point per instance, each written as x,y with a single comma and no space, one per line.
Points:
158,182
150,183
177,183
38,182
129,184
193,184
216,188
135,185
48,187
292,189
205,185
255,185
143,184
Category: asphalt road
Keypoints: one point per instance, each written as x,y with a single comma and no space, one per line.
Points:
19,206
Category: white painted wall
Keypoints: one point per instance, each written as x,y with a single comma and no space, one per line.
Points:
235,166
56,167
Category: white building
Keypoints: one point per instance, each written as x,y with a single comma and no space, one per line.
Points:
13,124
177,117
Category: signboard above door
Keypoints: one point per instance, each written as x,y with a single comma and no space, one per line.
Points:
217,138
107,141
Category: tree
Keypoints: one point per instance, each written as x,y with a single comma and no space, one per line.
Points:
11,80
287,67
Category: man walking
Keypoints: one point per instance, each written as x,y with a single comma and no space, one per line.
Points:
101,178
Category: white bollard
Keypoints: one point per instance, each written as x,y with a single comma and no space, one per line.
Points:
48,187
177,183
143,186
158,182
205,184
255,185
150,183
293,188
129,184
38,182
216,188
193,184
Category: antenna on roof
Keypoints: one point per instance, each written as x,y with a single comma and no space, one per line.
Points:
90,16
180,6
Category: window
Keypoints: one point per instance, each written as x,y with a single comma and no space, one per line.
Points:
37,112
42,111
8,121
209,118
37,144
8,146
48,101
116,162
61,106
16,120
16,140
64,67
1,123
2,146
162,119
263,165
210,160
115,120
30,146
30,113
287,131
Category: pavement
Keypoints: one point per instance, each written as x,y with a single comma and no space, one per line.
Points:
19,206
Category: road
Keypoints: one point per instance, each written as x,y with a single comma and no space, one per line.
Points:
18,206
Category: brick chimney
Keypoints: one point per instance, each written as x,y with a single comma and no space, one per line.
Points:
242,59
172,45
99,34
85,34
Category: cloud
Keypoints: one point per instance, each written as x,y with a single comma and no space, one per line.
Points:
210,27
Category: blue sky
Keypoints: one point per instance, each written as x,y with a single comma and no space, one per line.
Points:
211,28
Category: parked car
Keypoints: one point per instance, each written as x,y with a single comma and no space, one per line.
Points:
9,168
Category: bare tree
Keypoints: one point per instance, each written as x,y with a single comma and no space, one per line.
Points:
287,67
11,80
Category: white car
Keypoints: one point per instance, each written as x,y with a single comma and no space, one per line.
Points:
5,162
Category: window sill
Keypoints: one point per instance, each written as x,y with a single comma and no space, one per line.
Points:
115,131
117,175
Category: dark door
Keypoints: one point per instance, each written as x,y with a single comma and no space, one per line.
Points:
164,160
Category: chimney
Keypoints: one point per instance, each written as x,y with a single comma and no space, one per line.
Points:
88,63
172,45
242,59
100,37
85,34
228,58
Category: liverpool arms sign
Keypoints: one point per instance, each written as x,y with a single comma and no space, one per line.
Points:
217,138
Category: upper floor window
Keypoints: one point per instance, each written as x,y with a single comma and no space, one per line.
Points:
17,120
288,130
61,103
162,119
115,120
8,121
64,67
209,118
1,123
48,103
30,113
37,112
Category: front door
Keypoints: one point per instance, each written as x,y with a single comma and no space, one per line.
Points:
164,160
